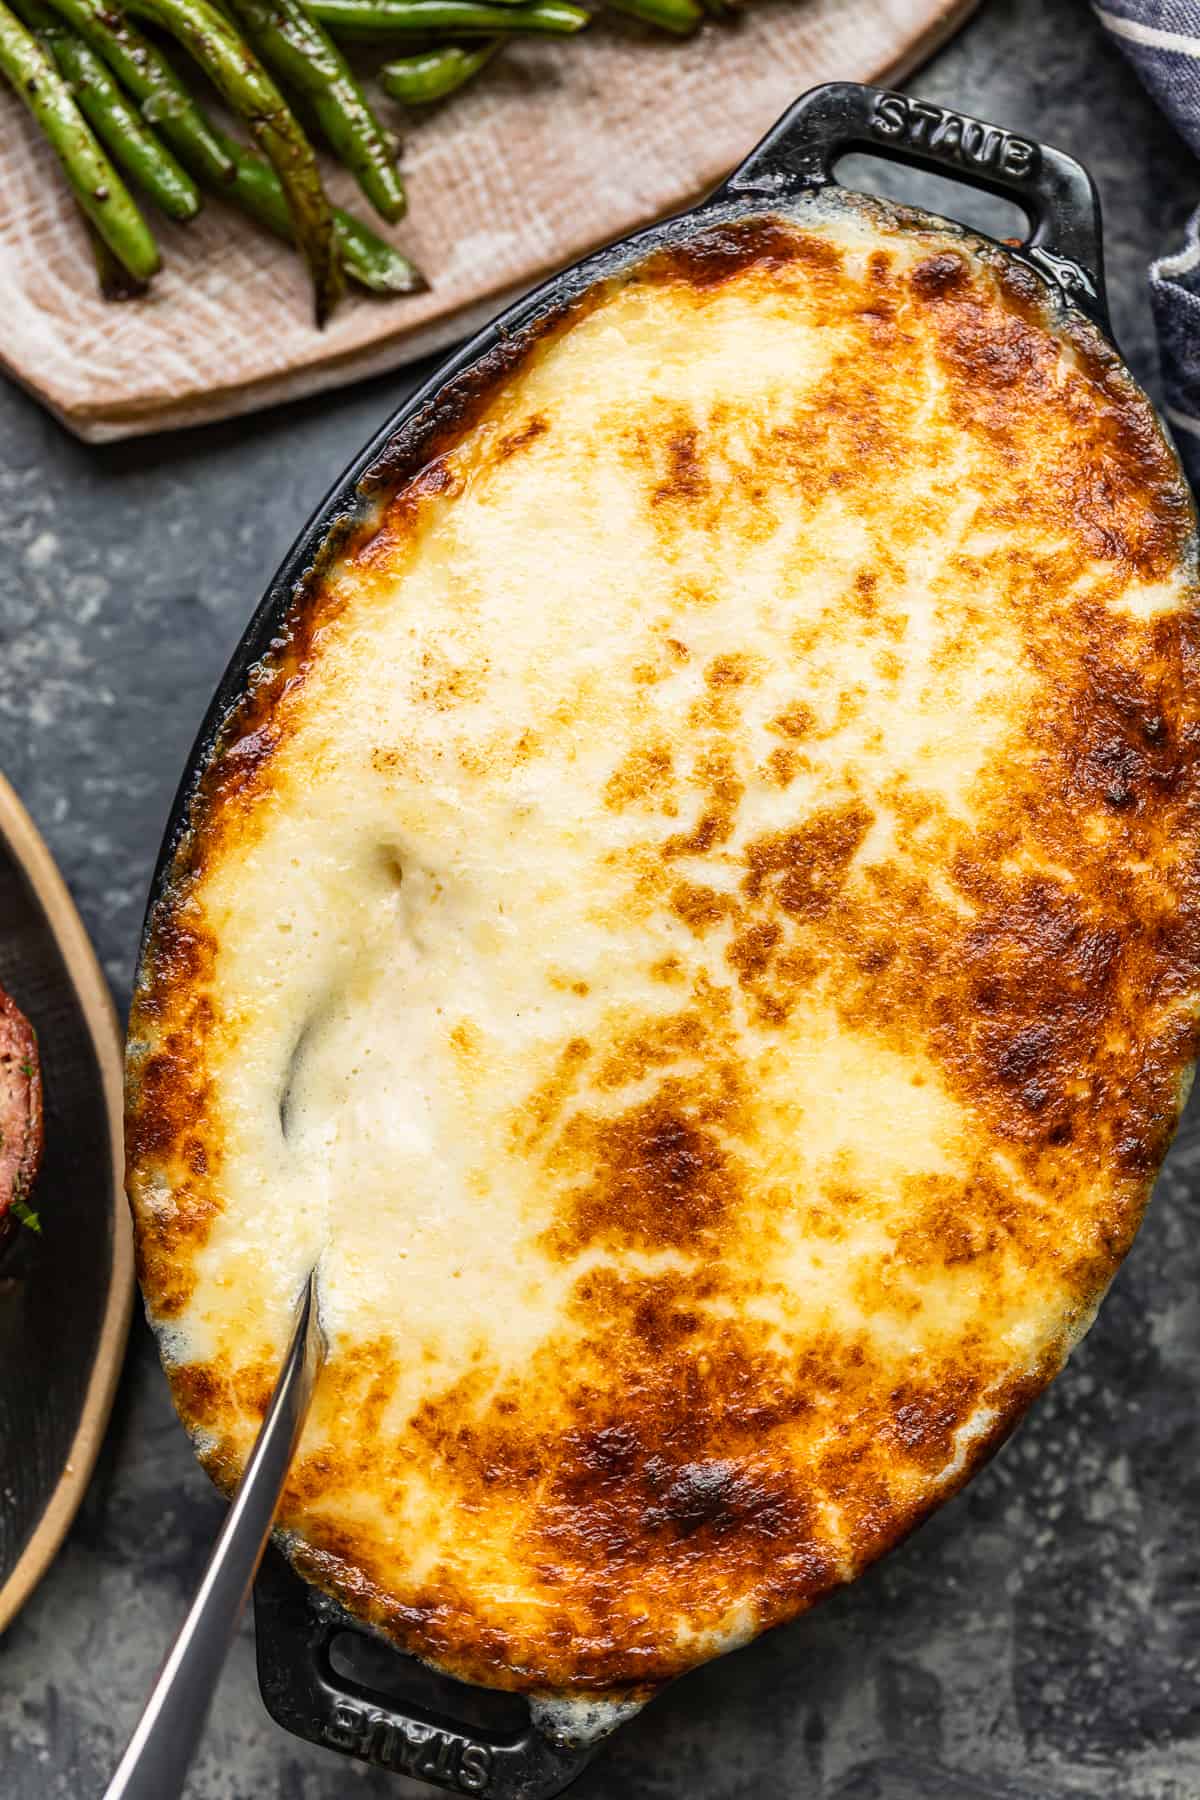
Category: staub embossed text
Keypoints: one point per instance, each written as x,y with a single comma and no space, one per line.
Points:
442,1757
953,136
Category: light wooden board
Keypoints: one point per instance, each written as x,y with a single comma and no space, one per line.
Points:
65,1296
559,147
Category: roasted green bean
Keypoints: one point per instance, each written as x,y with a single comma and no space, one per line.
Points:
112,278
460,18
367,258
98,188
434,73
115,122
255,52
145,72
247,88
303,54
375,264
679,16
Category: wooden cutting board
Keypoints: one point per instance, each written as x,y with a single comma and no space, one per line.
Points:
558,147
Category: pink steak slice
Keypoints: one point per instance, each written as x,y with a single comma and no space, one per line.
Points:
21,1131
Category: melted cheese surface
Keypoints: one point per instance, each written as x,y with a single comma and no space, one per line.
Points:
695,933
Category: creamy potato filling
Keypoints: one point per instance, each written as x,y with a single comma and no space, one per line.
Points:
696,963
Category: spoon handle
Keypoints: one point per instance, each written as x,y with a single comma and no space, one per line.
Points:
156,1762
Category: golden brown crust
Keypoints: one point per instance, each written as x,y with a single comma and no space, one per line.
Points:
1040,959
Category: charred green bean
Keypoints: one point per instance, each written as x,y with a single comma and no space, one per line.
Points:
459,18
121,127
375,264
101,193
249,90
370,261
302,53
112,278
144,71
679,16
115,122
434,73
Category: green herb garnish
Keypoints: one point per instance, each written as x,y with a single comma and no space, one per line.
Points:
27,1216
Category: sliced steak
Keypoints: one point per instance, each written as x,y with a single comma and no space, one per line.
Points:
20,1107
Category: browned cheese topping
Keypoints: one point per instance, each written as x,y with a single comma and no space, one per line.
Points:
696,927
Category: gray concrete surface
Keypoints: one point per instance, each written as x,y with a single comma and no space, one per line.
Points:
1041,1637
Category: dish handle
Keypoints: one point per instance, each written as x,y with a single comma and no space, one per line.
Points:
303,1690
1056,193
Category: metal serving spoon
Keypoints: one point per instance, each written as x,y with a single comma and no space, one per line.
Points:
156,1762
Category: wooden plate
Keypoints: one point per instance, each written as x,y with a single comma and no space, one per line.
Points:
65,1295
558,148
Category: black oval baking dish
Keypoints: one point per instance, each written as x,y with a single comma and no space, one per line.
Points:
389,1710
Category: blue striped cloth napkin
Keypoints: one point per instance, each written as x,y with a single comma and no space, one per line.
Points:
1161,38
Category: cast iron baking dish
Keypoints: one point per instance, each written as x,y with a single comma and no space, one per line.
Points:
322,1675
